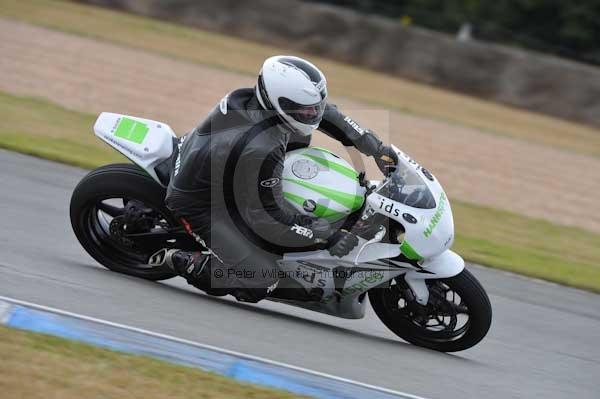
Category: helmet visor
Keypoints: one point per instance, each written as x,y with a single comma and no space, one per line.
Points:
307,114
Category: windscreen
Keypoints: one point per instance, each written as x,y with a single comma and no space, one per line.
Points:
406,186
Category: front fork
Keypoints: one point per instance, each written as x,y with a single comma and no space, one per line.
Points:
447,264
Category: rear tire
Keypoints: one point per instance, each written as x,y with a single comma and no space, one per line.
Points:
475,300
116,181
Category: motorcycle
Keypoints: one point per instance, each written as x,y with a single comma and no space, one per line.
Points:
417,286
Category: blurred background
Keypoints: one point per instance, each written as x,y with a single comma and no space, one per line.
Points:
499,99
566,29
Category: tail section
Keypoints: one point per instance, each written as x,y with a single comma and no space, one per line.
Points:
145,142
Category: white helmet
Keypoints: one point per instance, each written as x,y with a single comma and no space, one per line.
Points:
295,89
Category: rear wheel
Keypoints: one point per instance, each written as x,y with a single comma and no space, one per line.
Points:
457,316
97,211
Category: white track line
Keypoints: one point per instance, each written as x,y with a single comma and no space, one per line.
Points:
208,347
4,312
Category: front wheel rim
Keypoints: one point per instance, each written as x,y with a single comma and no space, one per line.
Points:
445,318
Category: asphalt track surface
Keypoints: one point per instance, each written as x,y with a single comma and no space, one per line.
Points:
543,342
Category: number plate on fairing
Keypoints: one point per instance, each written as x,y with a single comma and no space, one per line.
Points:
144,141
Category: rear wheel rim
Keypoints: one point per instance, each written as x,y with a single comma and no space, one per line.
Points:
97,218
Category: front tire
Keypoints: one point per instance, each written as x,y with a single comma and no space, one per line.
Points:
91,215
396,308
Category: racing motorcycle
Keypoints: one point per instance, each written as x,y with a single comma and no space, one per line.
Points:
418,287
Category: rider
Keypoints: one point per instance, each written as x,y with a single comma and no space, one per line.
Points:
225,185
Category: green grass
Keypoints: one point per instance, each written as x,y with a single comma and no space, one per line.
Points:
37,127
245,57
528,246
42,366
491,237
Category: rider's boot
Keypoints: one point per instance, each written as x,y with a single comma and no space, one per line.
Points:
193,266
253,295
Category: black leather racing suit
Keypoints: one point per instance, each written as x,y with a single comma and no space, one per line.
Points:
225,187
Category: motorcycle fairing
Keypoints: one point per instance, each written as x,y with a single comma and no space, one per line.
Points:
145,142
428,231
345,280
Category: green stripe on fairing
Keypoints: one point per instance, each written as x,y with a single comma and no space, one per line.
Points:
323,150
320,211
409,251
352,202
344,170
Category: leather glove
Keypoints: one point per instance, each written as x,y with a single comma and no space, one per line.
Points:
386,159
341,243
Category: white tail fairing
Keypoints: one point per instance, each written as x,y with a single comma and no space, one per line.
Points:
145,142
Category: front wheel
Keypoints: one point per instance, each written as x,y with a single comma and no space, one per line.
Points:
457,316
